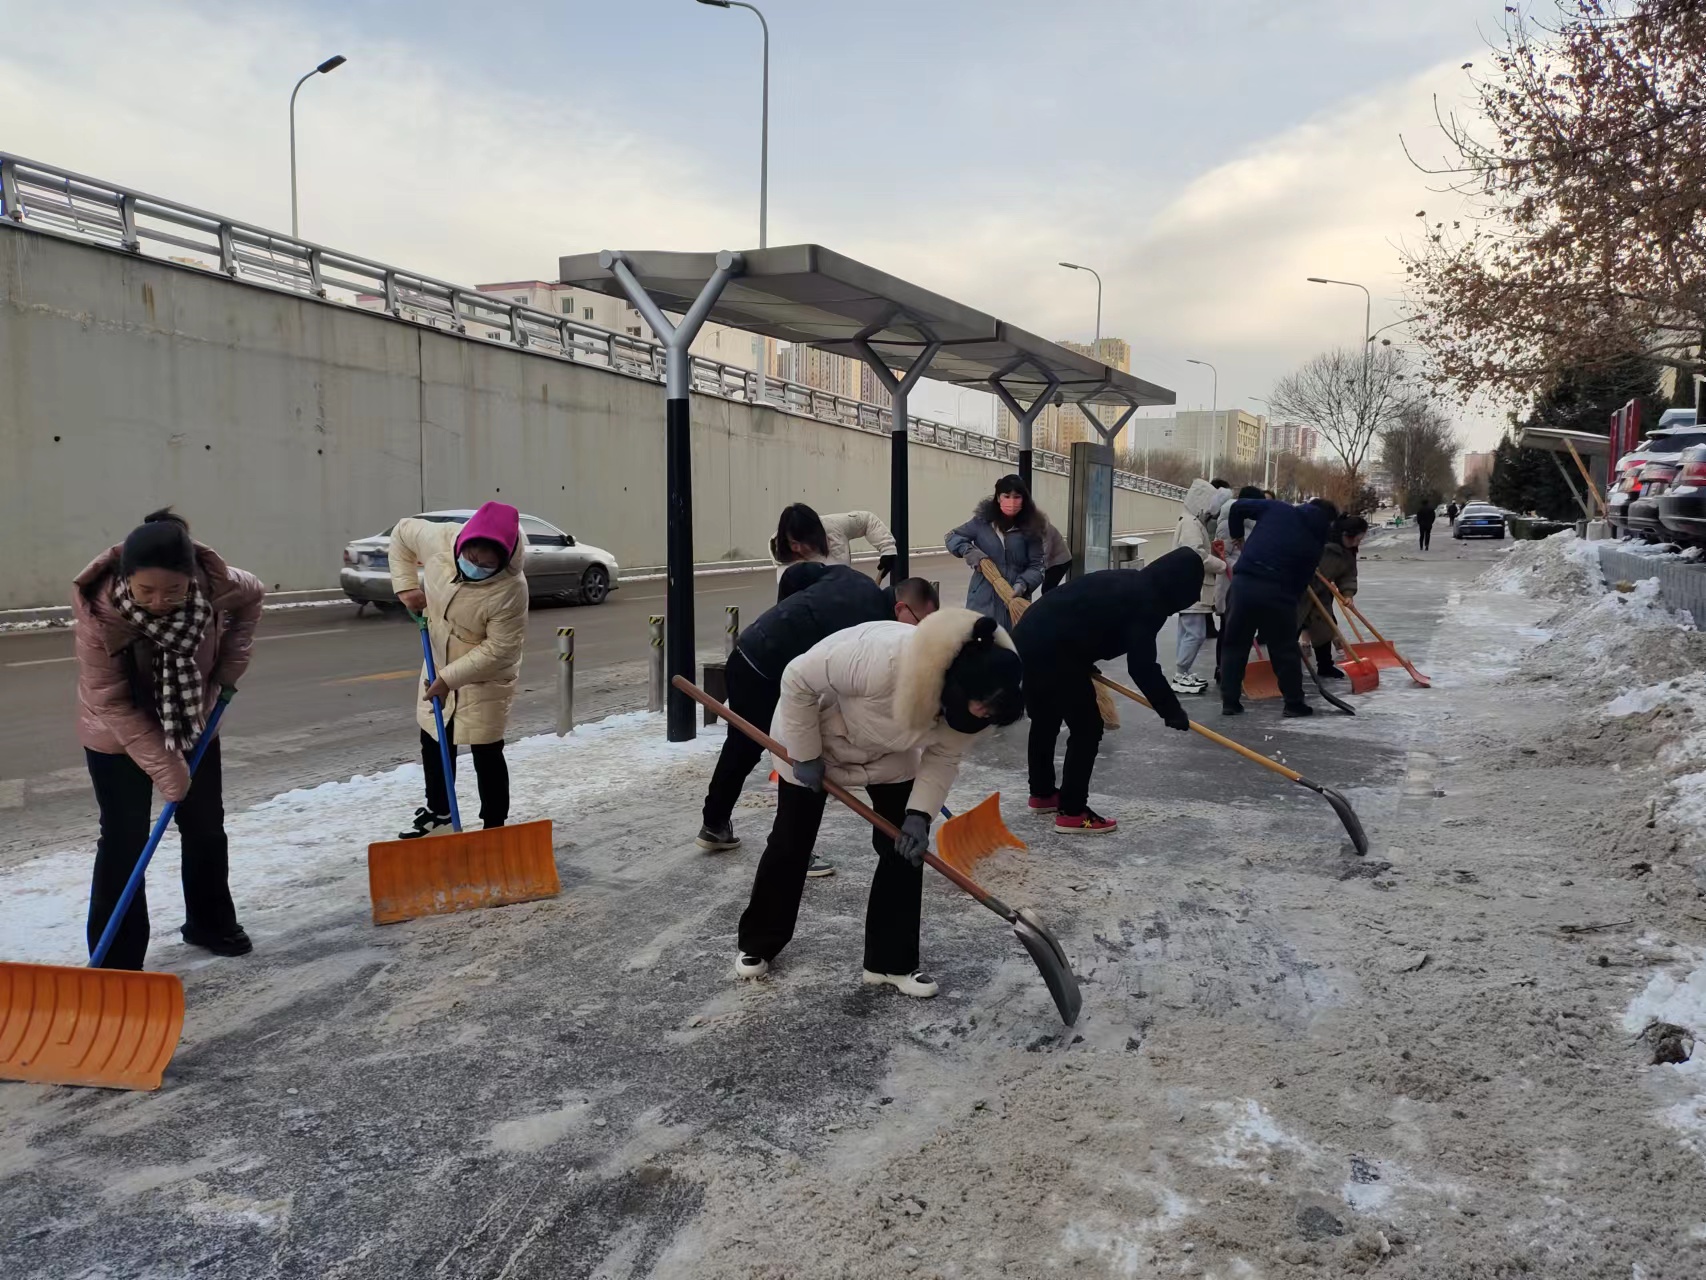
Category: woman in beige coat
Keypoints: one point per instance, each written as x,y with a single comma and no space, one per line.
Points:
890,708
467,581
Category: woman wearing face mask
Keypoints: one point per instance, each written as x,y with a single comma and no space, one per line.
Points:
162,625
890,708
467,581
1007,530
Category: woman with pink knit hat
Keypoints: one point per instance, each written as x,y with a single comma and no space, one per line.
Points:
467,581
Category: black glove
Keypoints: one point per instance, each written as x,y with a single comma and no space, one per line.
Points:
914,838
886,566
809,774
1176,720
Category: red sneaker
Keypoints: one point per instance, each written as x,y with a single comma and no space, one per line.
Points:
1088,823
1040,806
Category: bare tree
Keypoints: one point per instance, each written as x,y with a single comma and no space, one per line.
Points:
1349,397
1418,451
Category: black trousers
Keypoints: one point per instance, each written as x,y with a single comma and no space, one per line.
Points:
1053,576
491,772
754,697
1258,609
125,795
1069,699
897,889
1426,533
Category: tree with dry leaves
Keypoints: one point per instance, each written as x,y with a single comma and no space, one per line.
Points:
1418,451
1583,168
1349,397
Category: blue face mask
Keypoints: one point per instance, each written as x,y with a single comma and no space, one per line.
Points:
472,571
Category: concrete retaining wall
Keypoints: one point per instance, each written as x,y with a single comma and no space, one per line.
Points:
283,426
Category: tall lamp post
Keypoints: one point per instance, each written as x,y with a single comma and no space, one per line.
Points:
1212,454
764,135
329,65
1267,444
1073,266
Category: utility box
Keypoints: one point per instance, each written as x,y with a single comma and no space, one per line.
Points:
1091,514
1128,552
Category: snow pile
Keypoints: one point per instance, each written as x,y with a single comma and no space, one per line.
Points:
1615,640
1562,567
305,851
1680,1002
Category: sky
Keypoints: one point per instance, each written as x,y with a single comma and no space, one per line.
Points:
1205,158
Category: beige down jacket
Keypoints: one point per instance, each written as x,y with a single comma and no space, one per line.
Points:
115,665
1193,533
869,701
840,530
478,629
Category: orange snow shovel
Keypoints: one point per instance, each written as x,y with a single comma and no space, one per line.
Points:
1364,675
461,872
1259,678
1380,651
105,1028
1341,806
965,839
1016,609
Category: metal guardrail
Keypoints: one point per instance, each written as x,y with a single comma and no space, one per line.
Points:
57,200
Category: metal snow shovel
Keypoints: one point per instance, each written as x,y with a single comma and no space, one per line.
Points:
973,835
1380,651
1364,675
1341,806
1016,607
464,871
105,1028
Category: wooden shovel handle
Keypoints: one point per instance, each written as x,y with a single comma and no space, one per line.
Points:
1254,757
1350,607
1331,621
835,789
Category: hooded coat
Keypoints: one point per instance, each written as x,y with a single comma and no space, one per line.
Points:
1108,613
1338,566
1016,550
816,600
115,664
1284,549
839,531
478,629
1193,532
1055,550
868,700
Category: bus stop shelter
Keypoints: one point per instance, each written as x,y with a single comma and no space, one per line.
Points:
812,296
1593,451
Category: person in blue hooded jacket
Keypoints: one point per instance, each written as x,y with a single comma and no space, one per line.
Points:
1273,570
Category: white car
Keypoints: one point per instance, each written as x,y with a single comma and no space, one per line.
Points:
556,563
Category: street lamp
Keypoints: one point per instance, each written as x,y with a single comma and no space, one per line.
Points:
764,135
1211,459
1073,266
1267,444
329,65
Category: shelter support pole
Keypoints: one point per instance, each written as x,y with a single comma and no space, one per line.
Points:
676,337
900,497
1108,434
1025,418
1570,484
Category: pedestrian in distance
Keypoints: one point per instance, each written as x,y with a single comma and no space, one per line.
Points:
1057,556
163,625
1451,514
1339,567
803,535
1194,531
817,600
1425,524
1092,619
1276,566
1007,530
467,581
892,709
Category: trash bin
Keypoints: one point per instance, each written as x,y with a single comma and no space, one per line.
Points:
1127,552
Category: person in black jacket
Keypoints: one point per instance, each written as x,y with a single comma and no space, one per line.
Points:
1062,637
815,601
1270,576
1425,523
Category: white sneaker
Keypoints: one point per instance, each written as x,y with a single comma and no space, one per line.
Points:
913,984
1189,684
750,966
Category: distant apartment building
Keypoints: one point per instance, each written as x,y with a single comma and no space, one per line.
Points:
1229,435
1059,427
1296,439
1478,471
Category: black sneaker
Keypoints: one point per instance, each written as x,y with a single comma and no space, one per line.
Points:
1329,672
1299,710
426,822
225,942
1231,709
718,839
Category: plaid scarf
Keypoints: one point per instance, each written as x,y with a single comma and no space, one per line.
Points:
176,637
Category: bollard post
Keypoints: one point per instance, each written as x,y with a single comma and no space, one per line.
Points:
655,685
565,680
732,630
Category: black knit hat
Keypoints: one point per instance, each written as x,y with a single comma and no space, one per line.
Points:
983,672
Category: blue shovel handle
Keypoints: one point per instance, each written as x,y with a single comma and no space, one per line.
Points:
438,723
134,884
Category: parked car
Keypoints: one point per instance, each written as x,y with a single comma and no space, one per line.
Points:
1682,506
1625,489
556,563
1661,460
1479,520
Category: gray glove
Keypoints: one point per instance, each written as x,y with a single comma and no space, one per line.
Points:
973,557
809,774
914,839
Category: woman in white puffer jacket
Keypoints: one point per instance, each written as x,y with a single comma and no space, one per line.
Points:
890,708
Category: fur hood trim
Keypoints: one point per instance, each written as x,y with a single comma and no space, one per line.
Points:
930,651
